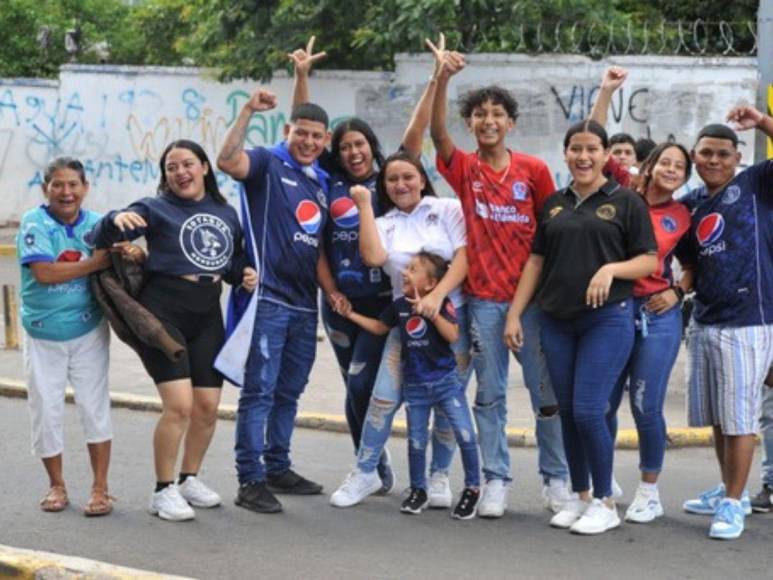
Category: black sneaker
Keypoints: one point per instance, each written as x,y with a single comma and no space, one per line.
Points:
291,483
416,501
467,506
761,502
256,497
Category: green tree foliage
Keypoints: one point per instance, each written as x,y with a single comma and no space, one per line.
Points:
251,38
101,23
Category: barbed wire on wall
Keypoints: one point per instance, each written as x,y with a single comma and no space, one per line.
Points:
689,38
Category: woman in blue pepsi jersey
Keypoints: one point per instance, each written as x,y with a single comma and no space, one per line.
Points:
347,283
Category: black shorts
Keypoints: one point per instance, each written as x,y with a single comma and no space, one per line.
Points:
190,312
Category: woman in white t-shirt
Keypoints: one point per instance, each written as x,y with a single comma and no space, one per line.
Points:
414,219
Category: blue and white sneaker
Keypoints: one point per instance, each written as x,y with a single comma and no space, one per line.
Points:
746,503
386,473
706,503
728,521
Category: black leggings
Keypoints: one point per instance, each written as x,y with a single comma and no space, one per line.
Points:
190,312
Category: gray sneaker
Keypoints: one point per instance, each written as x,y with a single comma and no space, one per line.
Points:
761,503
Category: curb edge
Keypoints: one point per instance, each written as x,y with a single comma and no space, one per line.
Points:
678,437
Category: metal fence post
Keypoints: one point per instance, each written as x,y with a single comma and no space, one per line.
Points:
11,317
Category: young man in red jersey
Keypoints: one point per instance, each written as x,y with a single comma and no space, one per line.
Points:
501,192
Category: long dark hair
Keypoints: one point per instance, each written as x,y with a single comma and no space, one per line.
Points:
360,126
652,159
383,198
210,181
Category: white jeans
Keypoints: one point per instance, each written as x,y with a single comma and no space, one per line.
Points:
48,366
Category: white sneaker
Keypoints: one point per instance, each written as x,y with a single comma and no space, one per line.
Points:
493,499
645,507
198,494
597,519
617,491
556,493
355,488
440,495
168,504
570,513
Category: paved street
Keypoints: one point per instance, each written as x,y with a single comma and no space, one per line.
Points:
312,539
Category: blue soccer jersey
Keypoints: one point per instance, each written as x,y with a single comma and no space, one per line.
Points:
56,311
731,244
342,246
426,356
288,211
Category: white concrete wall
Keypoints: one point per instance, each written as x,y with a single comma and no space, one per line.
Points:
118,119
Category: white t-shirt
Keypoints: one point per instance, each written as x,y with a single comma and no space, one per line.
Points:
435,225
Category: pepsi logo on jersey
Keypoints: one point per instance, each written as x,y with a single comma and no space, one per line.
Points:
416,327
309,218
709,232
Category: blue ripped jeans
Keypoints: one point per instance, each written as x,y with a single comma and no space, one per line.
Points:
653,356
446,396
490,359
282,352
388,396
358,353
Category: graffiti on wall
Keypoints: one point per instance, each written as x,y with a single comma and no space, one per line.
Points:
119,125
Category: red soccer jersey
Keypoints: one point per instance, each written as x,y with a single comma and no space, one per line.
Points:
614,170
670,221
500,212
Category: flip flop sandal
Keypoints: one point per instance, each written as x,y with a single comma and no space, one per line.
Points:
55,500
100,503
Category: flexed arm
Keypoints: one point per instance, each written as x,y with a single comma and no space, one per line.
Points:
232,158
447,65
745,117
371,248
302,60
613,79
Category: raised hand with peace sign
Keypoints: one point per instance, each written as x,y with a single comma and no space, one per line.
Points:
446,62
303,59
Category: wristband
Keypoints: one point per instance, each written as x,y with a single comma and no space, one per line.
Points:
678,290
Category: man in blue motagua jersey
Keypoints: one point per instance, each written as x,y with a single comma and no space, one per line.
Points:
731,335
285,194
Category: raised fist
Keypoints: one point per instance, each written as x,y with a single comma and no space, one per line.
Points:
360,195
262,100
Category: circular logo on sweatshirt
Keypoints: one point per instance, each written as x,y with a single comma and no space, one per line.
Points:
206,241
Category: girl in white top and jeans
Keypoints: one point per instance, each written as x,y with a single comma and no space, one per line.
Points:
414,219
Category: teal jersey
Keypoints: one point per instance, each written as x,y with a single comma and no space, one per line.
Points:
56,311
